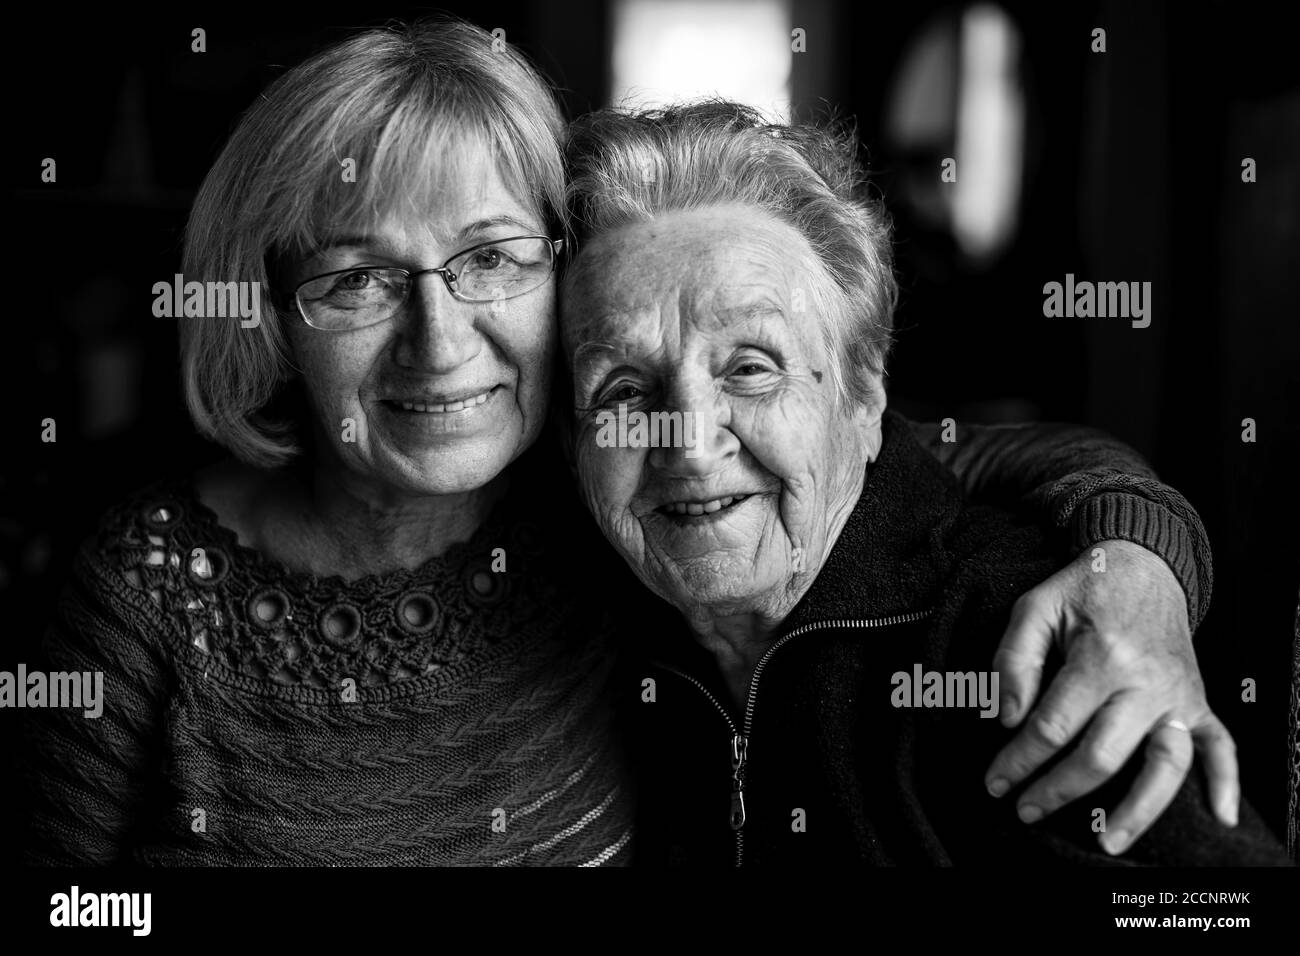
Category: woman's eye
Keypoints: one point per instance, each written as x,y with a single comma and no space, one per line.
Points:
622,393
751,368
361,282
487,259
354,281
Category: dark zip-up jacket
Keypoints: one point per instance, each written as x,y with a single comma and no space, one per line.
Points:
830,761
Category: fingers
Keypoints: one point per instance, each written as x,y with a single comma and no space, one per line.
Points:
1168,758
1112,737
1021,655
1219,755
1071,700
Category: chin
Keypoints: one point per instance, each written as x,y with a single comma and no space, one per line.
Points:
458,474
710,582
452,471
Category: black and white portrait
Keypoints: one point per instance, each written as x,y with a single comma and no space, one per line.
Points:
802,436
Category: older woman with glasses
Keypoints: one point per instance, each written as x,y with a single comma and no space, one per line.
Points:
373,636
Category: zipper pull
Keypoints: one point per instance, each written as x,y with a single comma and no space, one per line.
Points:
739,748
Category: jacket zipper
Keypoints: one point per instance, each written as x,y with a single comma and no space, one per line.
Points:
739,746
740,739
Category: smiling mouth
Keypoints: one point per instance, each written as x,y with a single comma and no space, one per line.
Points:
434,408
698,509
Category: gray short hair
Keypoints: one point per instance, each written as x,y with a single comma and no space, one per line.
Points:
401,101
628,167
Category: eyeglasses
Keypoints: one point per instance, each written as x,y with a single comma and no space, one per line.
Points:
367,295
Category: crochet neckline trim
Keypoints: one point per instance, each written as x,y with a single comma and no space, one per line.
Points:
457,555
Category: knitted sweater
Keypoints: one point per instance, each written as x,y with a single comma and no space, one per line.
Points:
457,713
453,714
828,763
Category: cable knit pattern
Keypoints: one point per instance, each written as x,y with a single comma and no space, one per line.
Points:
1090,486
451,714
1104,505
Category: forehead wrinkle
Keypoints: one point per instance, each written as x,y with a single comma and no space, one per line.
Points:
592,277
588,348
624,331
786,259
656,265
762,307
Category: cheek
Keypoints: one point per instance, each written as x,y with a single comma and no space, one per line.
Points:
334,368
788,431
529,335
609,477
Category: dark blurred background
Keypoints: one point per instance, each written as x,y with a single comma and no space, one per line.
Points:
1124,166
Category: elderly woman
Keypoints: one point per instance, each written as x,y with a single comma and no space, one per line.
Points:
842,601
373,635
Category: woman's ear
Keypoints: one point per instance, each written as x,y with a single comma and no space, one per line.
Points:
869,415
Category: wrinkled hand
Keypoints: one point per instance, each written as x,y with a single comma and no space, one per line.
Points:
1129,670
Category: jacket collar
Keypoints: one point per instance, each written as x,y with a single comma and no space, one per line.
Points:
890,557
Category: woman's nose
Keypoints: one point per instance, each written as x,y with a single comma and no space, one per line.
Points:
439,332
701,439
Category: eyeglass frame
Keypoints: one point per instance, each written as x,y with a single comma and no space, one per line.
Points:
448,277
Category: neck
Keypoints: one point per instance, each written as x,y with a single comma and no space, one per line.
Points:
317,520
362,529
738,637
737,643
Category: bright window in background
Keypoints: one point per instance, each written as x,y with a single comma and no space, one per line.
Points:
990,132
667,51
958,94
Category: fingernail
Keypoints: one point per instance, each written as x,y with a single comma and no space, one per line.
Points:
1030,813
1115,842
1228,813
999,786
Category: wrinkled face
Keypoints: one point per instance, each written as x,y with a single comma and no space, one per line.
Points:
708,312
443,396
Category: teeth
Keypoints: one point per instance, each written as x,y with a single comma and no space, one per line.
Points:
701,507
449,407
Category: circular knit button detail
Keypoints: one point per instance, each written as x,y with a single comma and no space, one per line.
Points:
162,515
207,565
484,586
416,612
340,626
268,608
